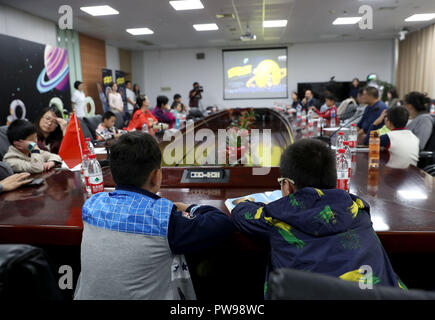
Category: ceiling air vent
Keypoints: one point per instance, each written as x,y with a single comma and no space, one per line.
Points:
145,43
225,16
387,8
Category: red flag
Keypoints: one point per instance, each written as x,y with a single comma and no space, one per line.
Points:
73,143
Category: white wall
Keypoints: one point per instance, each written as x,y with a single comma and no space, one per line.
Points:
112,58
307,62
22,25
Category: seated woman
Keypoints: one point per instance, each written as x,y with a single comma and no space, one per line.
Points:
106,130
141,115
23,154
162,111
50,128
421,121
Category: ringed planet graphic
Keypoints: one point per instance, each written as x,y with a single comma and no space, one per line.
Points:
56,70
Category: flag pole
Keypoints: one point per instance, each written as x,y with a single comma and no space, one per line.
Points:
78,134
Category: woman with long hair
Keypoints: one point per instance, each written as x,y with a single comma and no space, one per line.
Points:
392,98
50,128
141,115
115,99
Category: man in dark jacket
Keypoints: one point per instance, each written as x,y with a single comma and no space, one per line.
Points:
314,226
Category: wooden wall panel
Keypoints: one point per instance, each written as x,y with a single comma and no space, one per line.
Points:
93,58
125,62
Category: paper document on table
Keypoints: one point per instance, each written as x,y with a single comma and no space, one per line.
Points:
100,150
264,197
76,168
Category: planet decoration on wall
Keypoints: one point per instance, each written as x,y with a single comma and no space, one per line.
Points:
56,70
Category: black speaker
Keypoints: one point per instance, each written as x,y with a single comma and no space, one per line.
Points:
200,56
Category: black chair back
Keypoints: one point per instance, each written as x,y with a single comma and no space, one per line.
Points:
85,129
430,145
26,274
92,123
119,122
290,284
4,142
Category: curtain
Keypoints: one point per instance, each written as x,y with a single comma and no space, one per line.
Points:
416,65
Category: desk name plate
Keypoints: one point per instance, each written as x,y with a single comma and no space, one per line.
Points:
205,175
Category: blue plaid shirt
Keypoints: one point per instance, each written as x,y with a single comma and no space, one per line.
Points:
134,210
130,210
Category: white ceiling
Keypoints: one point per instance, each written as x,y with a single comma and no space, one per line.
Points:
308,21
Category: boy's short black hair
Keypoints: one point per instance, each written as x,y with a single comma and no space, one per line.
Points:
398,116
162,100
20,130
108,114
330,97
76,84
309,163
133,157
177,96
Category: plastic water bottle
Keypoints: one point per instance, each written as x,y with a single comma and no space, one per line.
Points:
304,119
342,171
353,137
298,114
85,166
177,122
310,124
90,145
319,126
374,149
339,141
348,154
332,122
145,128
95,175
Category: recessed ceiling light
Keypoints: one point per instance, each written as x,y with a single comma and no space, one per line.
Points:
420,17
274,23
99,10
139,31
205,27
186,5
346,20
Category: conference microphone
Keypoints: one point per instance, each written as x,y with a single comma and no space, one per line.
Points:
328,139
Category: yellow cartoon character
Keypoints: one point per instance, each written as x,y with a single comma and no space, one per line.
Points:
267,74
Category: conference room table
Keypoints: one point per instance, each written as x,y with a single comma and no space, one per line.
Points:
402,202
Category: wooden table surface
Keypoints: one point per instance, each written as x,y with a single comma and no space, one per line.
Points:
402,200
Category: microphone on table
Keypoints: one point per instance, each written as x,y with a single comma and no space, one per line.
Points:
328,139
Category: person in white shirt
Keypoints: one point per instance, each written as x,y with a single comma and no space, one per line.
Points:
401,143
78,99
115,99
131,97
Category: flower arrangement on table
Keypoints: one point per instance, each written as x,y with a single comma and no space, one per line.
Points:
238,137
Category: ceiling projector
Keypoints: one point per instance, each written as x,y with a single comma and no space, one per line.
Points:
248,36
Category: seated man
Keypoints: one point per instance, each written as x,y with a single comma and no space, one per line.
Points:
373,110
330,105
178,106
314,226
133,240
309,100
106,130
401,143
24,154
